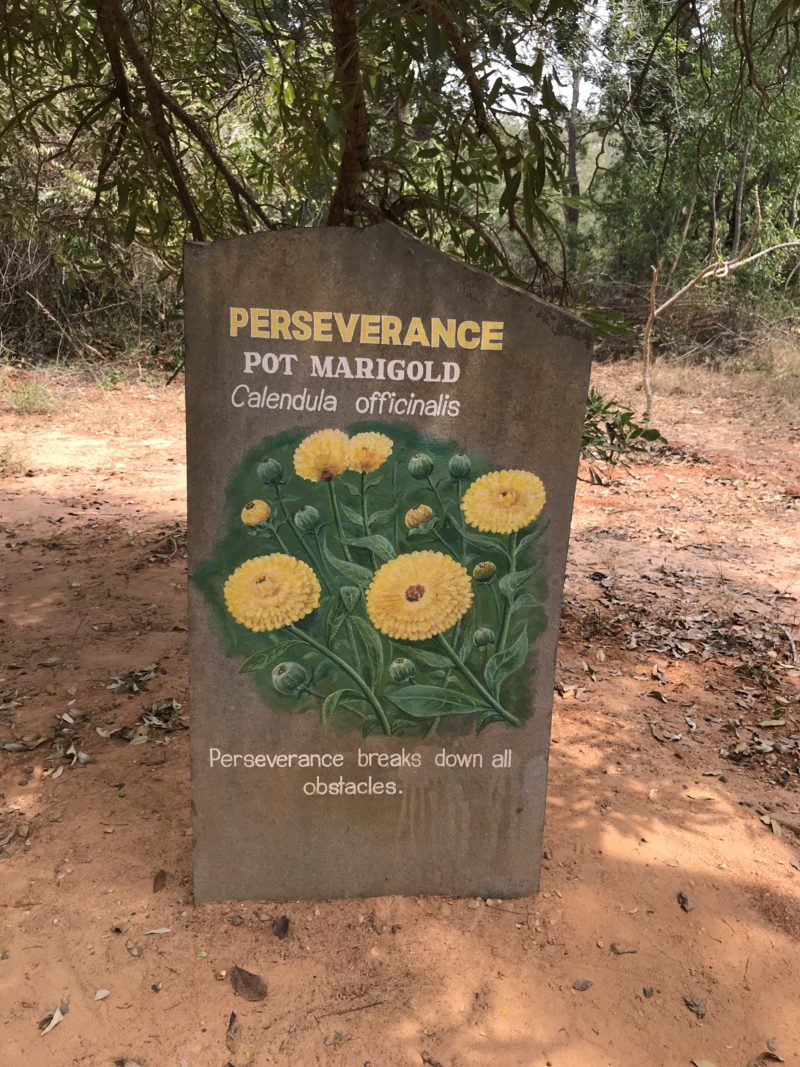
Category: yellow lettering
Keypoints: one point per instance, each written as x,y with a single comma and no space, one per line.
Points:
238,319
461,334
301,322
280,325
370,329
259,322
492,336
415,334
443,333
322,326
346,331
390,330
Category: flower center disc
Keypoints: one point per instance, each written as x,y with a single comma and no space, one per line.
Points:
266,586
508,497
415,593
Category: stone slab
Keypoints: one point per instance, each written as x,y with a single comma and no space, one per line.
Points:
461,813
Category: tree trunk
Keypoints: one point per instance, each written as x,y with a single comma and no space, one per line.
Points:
571,211
355,154
737,206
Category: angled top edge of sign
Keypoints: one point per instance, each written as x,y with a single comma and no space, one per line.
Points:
560,320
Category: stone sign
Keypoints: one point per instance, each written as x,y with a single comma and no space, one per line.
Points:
383,446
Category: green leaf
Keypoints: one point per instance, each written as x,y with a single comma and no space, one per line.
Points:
373,645
487,544
350,595
530,539
431,701
487,719
506,662
381,516
424,528
494,92
332,702
510,191
259,661
376,543
354,572
334,620
430,659
525,600
352,515
510,583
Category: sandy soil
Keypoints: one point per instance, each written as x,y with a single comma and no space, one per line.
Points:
680,616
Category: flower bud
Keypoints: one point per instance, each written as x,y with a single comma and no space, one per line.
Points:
483,636
402,670
306,518
420,466
418,515
270,472
256,512
289,678
484,572
459,467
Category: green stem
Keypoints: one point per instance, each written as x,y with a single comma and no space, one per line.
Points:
351,637
324,569
365,516
292,526
438,495
279,539
461,517
498,611
316,562
477,685
337,518
512,556
442,541
342,665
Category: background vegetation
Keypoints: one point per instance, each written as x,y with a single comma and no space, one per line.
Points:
567,147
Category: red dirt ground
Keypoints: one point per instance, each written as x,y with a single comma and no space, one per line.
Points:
679,633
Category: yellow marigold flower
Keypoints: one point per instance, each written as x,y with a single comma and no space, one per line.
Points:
503,501
418,515
322,455
368,451
268,592
255,512
418,595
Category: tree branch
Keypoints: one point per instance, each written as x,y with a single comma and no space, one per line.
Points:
111,14
463,60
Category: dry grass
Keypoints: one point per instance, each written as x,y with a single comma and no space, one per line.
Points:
767,371
12,462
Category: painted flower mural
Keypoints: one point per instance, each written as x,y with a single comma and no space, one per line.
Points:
396,586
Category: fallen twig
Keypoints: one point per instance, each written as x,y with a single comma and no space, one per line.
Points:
790,639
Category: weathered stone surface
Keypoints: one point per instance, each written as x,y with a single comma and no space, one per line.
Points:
511,402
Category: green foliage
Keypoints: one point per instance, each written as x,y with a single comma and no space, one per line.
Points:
157,120
30,398
612,435
403,685
129,125
697,146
